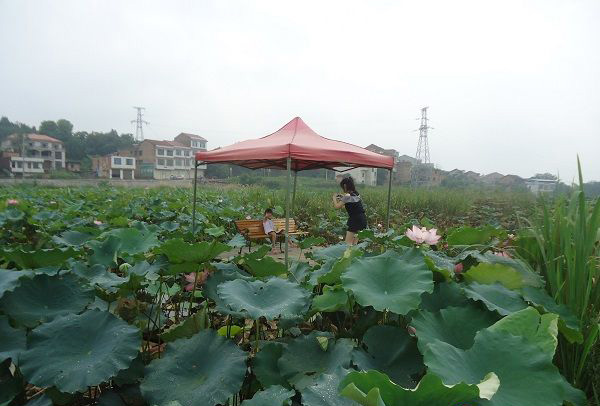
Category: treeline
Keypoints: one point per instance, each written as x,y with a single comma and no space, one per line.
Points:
79,145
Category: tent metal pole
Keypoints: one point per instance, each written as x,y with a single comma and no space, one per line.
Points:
287,211
194,202
389,201
294,193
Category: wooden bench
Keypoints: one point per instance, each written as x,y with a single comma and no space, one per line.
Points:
253,230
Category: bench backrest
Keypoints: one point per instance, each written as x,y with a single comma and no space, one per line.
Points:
255,227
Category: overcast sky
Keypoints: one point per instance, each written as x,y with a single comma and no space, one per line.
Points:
512,86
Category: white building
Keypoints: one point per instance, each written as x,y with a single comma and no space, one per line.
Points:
361,176
114,167
538,186
26,166
50,150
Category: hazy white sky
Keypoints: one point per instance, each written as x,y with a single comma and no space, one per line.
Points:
512,86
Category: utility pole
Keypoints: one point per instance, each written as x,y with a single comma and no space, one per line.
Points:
422,170
139,122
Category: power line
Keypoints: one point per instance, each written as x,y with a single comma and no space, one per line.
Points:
422,171
139,122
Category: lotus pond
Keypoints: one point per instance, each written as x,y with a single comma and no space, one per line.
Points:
106,297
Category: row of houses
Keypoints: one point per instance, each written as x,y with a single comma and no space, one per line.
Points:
37,154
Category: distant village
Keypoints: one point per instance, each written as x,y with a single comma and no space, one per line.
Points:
37,155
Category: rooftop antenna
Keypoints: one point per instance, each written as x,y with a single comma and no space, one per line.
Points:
422,171
139,122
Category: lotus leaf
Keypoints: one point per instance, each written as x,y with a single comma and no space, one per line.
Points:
310,242
324,391
44,297
299,272
73,352
444,295
470,236
237,241
440,263
272,396
188,327
527,377
72,238
528,275
41,400
488,274
10,279
392,351
133,240
39,258
264,267
304,359
332,277
205,369
271,299
453,325
179,251
99,275
13,341
568,324
333,299
105,252
10,385
373,388
386,282
265,365
496,297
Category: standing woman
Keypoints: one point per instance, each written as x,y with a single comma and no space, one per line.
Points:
357,220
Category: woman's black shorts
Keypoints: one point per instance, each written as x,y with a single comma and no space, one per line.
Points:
357,223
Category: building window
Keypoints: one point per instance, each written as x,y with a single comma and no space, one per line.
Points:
169,152
129,161
45,145
161,161
116,161
36,165
160,151
170,162
57,154
178,162
203,145
187,152
178,152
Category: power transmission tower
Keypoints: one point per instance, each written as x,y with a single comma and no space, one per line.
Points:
139,122
422,170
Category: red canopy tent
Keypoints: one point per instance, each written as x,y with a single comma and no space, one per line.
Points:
295,147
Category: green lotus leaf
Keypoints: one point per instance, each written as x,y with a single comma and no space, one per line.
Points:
179,251
331,252
541,330
323,269
394,282
470,236
311,241
132,374
390,350
169,226
528,275
496,297
527,376
324,390
372,388
568,324
98,275
332,277
39,258
215,231
453,325
134,241
304,358
264,267
14,214
272,396
60,398
10,279
440,263
230,331
224,273
271,299
205,369
10,385
105,252
188,327
41,400
238,241
13,341
445,294
72,238
73,352
265,365
489,274
299,272
110,398
333,299
44,297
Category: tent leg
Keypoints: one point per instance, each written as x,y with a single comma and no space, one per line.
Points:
287,211
294,193
194,202
387,218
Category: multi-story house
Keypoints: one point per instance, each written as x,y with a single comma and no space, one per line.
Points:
17,166
50,150
164,160
539,186
361,176
196,143
114,166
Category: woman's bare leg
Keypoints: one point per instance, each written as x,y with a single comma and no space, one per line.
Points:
273,240
351,238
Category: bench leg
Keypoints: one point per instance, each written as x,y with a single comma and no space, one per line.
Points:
249,245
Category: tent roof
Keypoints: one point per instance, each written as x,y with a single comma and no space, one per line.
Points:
298,141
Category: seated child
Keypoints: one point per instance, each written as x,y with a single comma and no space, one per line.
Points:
269,228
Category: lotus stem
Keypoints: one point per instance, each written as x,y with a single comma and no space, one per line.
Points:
193,293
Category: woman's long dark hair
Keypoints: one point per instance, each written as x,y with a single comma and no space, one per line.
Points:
347,185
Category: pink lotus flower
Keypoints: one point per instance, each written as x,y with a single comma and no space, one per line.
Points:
202,276
12,202
411,331
97,222
503,254
458,268
422,235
